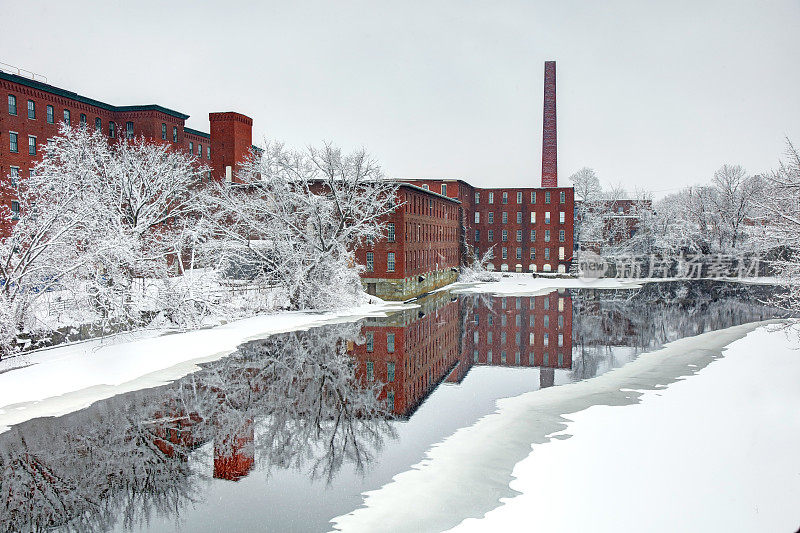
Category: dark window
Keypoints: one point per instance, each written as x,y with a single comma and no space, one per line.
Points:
174,134
208,152
129,130
31,109
14,210
67,116
191,147
112,129
390,232
50,114
31,145
563,197
13,145
12,104
83,120
98,124
547,197
164,131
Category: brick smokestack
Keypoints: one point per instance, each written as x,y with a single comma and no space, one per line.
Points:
549,152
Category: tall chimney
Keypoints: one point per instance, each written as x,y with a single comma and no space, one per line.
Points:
549,155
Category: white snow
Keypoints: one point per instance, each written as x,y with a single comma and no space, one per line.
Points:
715,451
526,285
67,378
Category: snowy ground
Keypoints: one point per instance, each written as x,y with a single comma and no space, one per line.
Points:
701,435
526,285
64,379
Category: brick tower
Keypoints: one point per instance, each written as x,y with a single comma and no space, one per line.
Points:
549,155
231,139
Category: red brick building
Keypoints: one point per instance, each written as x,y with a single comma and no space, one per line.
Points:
420,251
33,111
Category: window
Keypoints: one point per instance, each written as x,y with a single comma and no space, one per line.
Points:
390,228
547,253
505,217
164,131
547,217
547,235
390,262
390,342
477,197
533,253
370,371
546,303
50,112
370,341
477,235
112,129
370,262
490,235
477,217
519,217
129,130
12,104
491,217
533,197
519,197
174,134
519,235
389,372
519,253
444,189
546,357
425,186
390,400
505,235
505,252
490,320
199,150
14,177
12,139
14,210
31,109
83,120
31,145
191,147
561,235
546,321
533,217
547,197
561,217
491,197
561,252
560,343
533,235
620,210
475,356
562,197
98,124
208,152
67,116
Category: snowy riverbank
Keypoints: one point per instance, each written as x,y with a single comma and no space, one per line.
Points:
699,435
64,379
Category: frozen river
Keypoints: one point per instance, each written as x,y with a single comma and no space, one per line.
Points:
290,432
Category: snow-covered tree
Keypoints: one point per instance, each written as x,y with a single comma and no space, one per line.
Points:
779,207
295,217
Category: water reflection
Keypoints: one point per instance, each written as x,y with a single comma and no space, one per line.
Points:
320,402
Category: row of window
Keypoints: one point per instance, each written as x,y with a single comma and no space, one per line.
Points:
417,204
518,320
504,235
562,197
476,337
545,358
98,124
562,217
531,252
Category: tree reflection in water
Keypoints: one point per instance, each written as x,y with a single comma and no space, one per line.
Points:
290,401
323,400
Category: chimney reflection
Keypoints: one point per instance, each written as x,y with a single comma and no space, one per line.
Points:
413,351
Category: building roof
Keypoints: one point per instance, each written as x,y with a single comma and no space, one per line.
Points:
83,99
414,187
196,132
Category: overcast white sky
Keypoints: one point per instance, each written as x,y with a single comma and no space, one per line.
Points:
650,94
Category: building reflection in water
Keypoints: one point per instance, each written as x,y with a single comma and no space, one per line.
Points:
413,351
318,400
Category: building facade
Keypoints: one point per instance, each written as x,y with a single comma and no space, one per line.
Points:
34,111
420,251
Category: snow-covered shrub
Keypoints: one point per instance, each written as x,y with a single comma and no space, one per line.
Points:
478,271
